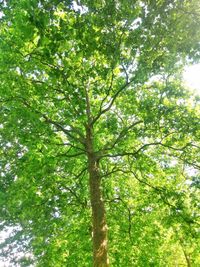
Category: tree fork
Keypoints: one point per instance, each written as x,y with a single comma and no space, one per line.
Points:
100,247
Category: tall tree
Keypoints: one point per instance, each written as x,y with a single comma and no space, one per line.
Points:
93,118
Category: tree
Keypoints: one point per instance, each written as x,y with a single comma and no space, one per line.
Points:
94,118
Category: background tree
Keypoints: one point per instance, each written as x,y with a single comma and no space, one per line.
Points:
94,119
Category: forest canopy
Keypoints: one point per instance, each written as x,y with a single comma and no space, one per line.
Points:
99,139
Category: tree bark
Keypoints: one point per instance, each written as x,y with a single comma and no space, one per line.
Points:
99,235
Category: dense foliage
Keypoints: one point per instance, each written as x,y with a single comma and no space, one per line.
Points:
114,66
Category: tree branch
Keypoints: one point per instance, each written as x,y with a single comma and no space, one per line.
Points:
124,153
121,135
81,138
101,112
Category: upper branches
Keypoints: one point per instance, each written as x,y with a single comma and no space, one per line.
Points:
69,130
144,147
113,99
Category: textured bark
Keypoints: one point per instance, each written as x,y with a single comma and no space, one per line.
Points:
100,249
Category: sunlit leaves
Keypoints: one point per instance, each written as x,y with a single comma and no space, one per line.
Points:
128,56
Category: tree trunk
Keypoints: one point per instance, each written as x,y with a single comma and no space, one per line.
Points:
100,249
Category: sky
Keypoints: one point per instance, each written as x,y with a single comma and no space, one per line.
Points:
192,78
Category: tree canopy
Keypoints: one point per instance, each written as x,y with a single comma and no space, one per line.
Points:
99,139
